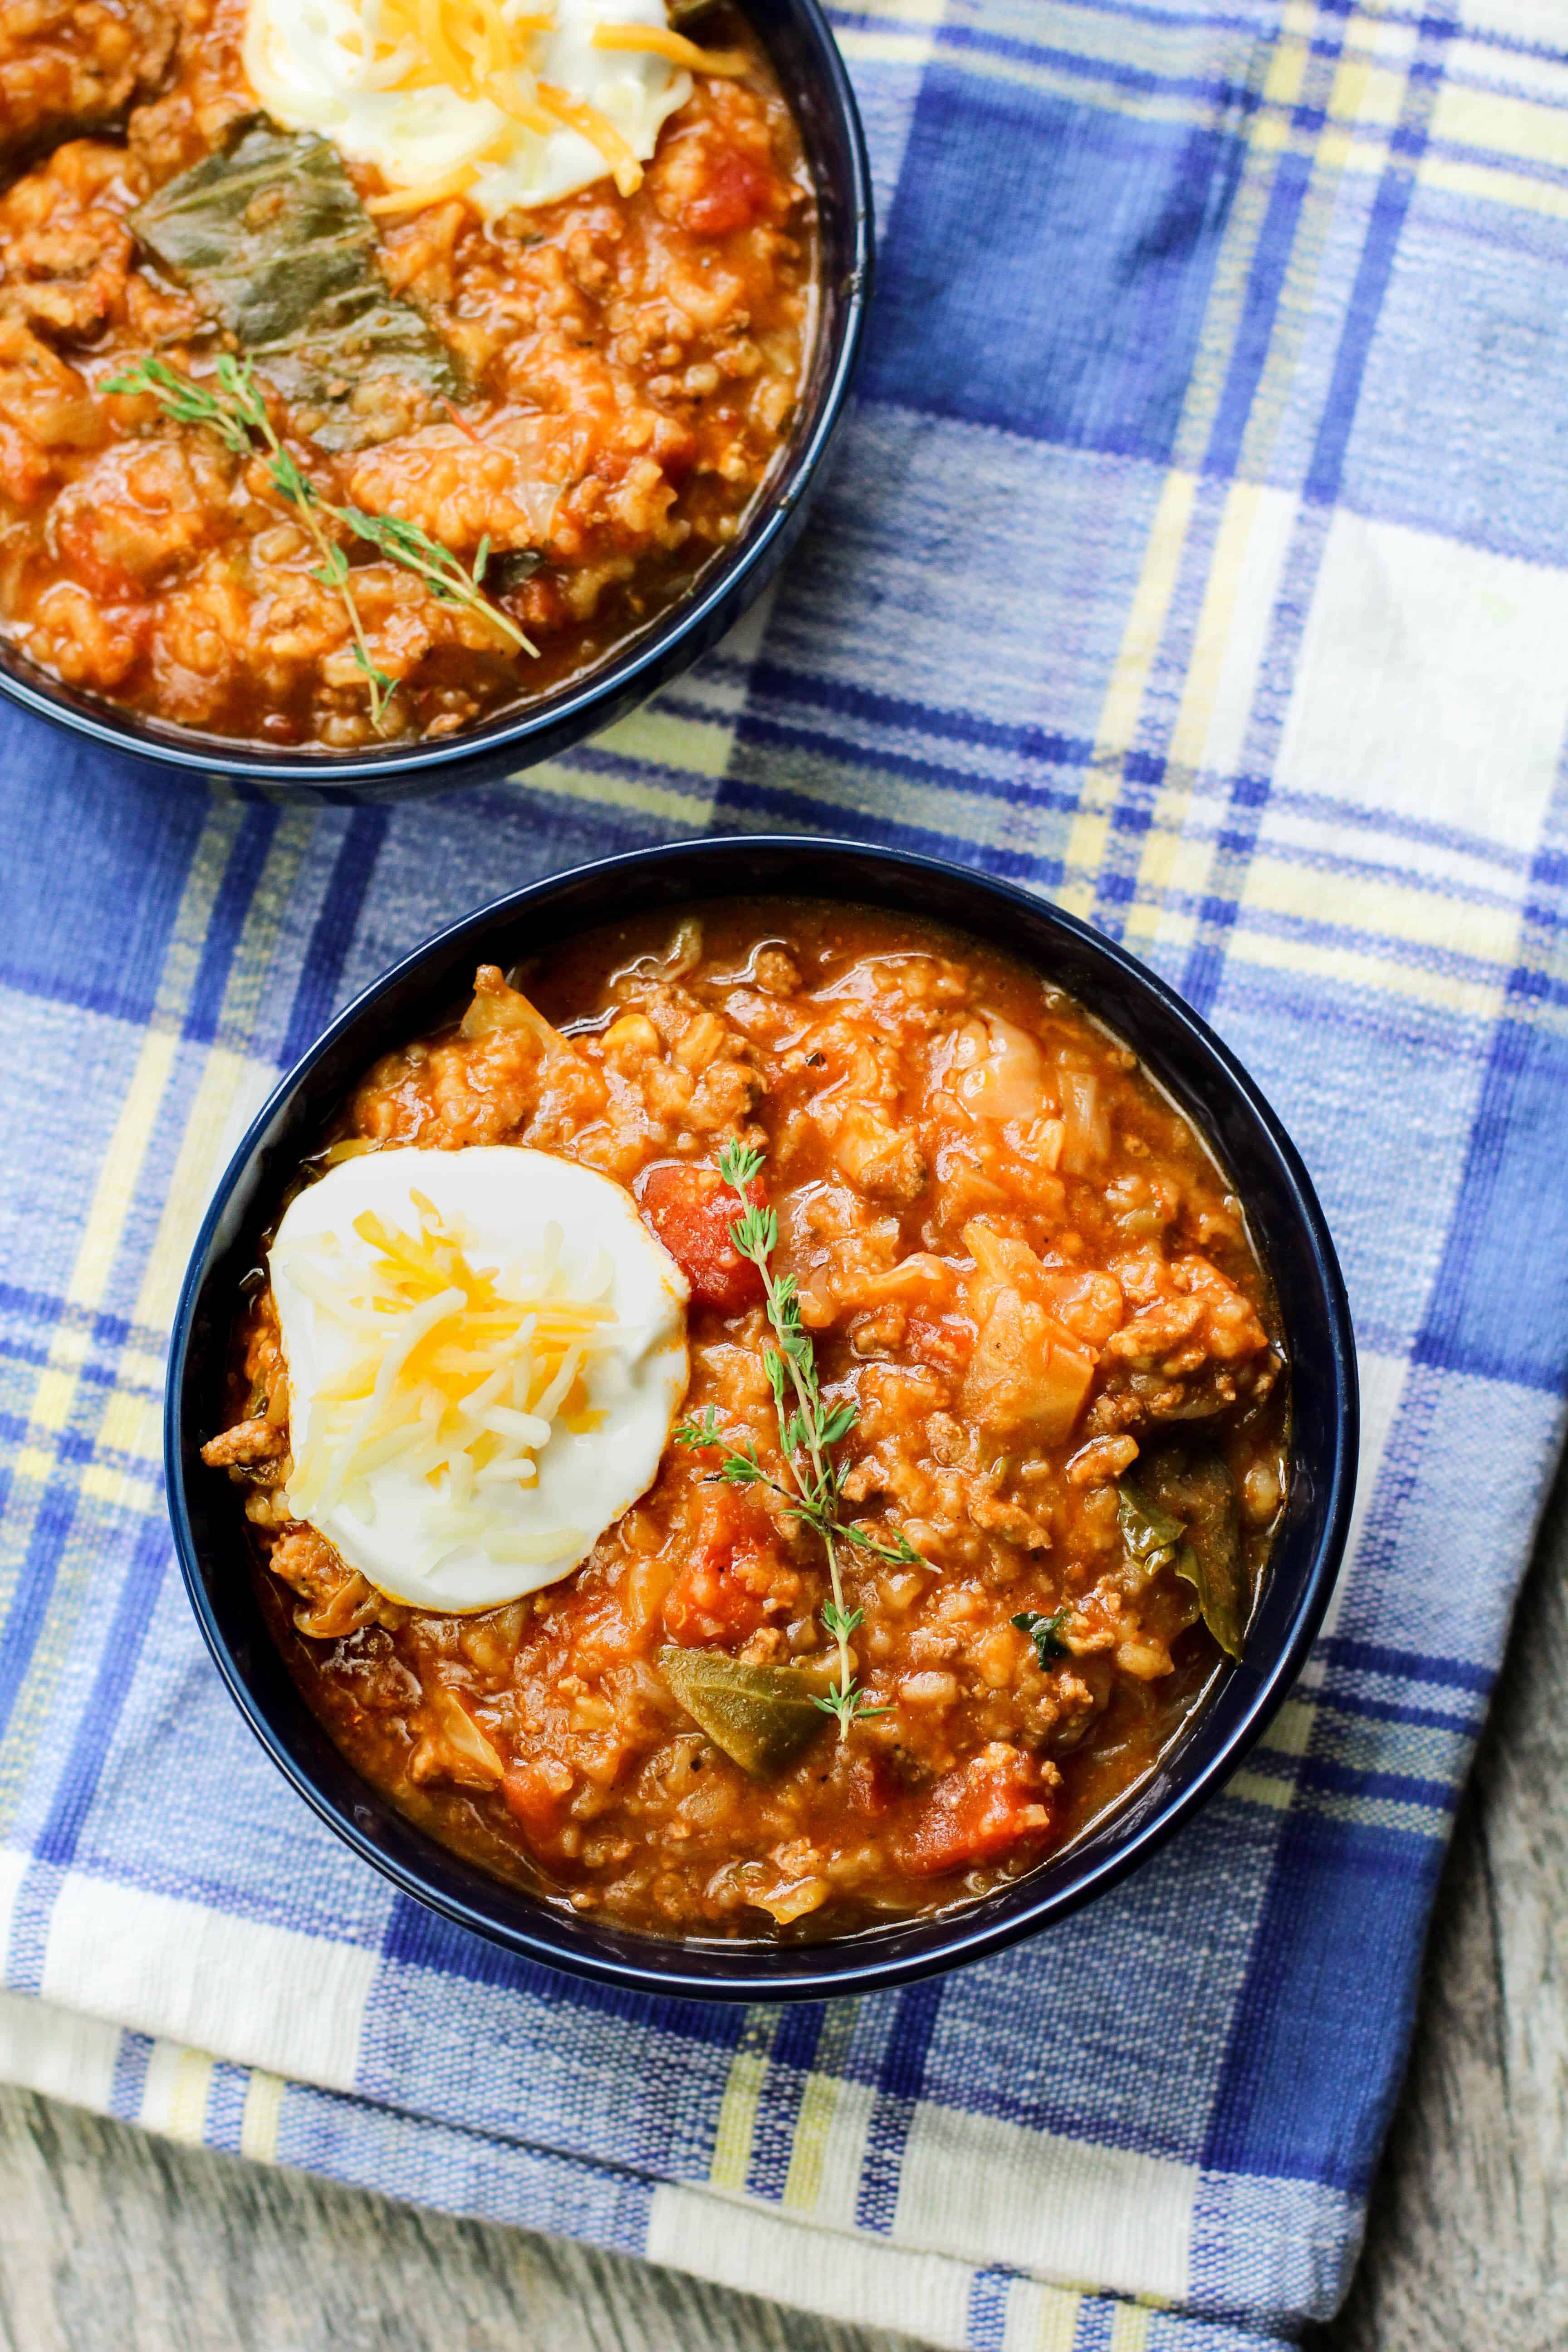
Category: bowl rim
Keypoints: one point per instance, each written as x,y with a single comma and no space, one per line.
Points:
650,655
970,1934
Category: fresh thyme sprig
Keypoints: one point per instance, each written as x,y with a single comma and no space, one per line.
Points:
808,1429
437,565
236,413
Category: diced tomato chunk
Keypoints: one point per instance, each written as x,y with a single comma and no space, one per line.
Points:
736,191
944,1342
978,1811
532,1802
692,1210
722,1591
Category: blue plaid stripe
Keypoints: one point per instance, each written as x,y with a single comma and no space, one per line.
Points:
1196,557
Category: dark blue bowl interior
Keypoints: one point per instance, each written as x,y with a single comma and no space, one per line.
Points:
1176,1046
797,38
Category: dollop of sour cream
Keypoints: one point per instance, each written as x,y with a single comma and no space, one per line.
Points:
486,1353
511,103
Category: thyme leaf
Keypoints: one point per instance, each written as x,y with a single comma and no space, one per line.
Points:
1046,1632
847,1701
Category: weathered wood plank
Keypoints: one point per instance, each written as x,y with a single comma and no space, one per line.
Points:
112,2241
1467,2237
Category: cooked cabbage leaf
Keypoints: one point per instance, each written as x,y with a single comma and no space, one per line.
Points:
761,1716
270,236
1151,1536
1181,1515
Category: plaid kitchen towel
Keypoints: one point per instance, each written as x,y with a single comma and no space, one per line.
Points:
1198,557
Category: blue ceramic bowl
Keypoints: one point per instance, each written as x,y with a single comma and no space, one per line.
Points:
1187,1059
805,57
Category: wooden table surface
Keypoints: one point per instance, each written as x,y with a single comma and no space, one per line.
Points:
113,2242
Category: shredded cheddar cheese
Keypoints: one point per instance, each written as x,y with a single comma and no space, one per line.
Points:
463,1373
430,192
600,132
479,48
499,104
660,41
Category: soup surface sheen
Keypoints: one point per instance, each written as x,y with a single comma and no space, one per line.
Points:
1022,1270
579,399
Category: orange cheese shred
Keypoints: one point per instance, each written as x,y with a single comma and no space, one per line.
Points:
660,42
578,115
433,192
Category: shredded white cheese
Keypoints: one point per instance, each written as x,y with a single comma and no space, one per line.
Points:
463,1372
